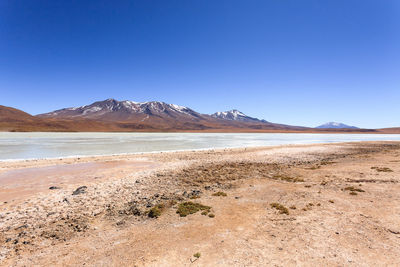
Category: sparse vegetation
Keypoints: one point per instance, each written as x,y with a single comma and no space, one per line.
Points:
204,212
331,201
211,215
353,193
197,255
219,194
187,208
293,207
282,209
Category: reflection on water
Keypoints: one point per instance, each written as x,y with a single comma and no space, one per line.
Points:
50,145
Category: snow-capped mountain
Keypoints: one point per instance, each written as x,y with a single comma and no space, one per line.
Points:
335,125
157,115
235,115
112,109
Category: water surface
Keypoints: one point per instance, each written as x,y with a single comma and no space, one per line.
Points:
52,145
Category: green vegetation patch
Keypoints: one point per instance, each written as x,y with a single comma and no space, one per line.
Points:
186,208
197,255
219,194
282,209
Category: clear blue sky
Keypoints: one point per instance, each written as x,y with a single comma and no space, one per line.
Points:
295,62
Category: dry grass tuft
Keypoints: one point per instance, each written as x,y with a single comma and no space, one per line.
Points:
189,207
156,211
383,169
219,194
287,178
353,189
282,209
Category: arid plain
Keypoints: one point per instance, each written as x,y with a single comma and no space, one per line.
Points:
322,204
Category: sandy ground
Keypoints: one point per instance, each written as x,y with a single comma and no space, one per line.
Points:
342,208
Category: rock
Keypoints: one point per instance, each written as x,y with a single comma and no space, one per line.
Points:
80,190
54,187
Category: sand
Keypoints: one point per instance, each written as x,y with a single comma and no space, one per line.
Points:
342,201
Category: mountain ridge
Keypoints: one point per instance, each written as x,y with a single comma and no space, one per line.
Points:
111,115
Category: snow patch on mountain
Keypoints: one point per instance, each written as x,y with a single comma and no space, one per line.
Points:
235,115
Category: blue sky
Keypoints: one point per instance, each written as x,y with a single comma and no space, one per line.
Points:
294,62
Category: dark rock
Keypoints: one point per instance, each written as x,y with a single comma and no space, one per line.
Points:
80,190
54,187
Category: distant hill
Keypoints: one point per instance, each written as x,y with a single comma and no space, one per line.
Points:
15,120
335,125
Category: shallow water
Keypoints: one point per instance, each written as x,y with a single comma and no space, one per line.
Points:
53,145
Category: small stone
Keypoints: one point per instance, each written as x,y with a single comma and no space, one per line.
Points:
79,190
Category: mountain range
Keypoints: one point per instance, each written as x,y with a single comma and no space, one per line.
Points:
160,115
127,116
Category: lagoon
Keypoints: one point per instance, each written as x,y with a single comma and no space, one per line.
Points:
17,146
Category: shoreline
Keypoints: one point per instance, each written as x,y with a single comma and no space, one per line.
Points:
212,149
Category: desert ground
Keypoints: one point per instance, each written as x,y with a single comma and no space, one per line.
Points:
322,205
